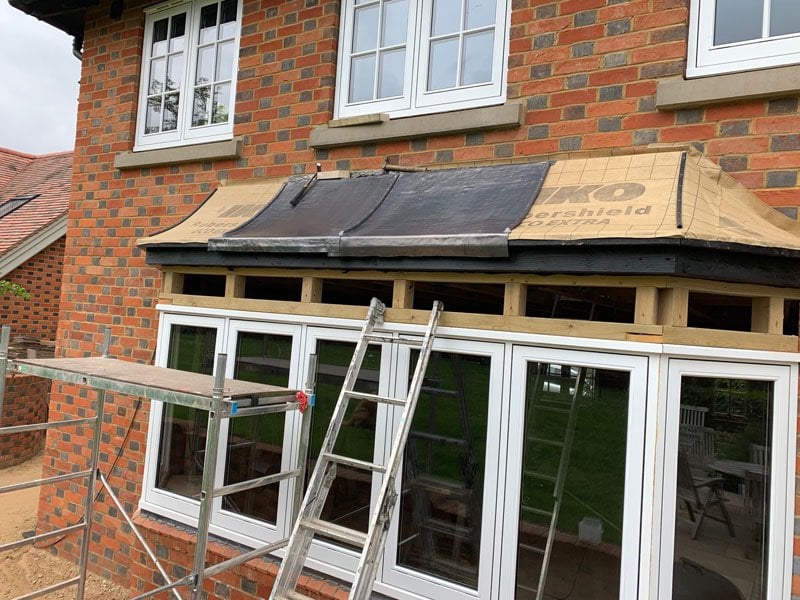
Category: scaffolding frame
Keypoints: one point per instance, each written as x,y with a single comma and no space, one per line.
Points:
222,398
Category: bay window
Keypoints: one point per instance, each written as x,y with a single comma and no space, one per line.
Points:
403,58
647,470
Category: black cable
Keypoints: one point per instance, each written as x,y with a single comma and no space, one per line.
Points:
99,491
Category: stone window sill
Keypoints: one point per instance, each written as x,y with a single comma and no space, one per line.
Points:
382,130
673,94
181,154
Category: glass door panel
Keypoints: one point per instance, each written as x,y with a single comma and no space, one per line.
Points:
728,492
182,445
573,481
443,470
574,476
348,501
441,539
722,498
255,444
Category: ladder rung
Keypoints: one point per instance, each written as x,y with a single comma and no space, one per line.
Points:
538,475
387,339
438,486
442,526
544,401
375,398
532,548
527,588
430,389
537,511
442,439
354,462
545,441
554,409
337,532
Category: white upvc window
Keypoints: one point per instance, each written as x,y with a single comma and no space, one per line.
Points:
739,35
487,450
188,75
739,458
405,57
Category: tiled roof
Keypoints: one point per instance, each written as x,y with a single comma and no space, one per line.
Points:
49,176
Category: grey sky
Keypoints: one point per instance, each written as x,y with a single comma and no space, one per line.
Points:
38,85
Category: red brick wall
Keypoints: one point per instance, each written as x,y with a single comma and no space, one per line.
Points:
24,402
41,276
585,70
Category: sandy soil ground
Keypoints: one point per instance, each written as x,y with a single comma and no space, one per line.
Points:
27,569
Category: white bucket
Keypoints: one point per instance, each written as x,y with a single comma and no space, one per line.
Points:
590,530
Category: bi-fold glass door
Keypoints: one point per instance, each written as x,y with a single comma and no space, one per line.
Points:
442,535
574,475
728,465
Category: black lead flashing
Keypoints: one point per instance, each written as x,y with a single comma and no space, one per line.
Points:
447,212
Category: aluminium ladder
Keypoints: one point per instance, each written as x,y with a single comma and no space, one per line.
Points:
309,523
541,404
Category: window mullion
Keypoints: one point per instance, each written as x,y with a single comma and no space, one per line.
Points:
190,70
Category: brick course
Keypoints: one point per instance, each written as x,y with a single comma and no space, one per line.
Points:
41,276
586,70
25,401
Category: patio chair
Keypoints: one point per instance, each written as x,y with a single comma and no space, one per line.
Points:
701,495
698,445
755,495
693,415
759,454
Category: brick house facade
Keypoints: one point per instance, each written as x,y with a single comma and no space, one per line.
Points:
581,77
34,197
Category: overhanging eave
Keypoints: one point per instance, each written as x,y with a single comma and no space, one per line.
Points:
666,257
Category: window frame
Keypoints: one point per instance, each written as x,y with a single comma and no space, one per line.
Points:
174,506
783,456
240,527
704,58
654,502
416,100
184,134
425,584
640,408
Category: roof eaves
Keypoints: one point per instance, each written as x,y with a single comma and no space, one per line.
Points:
32,245
66,15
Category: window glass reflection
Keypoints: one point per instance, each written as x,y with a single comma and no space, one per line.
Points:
737,21
723,468
255,443
573,482
182,447
443,470
784,17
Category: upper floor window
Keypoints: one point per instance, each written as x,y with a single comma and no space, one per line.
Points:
188,69
738,35
406,57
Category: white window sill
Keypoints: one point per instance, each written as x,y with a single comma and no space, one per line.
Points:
343,133
180,154
673,94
